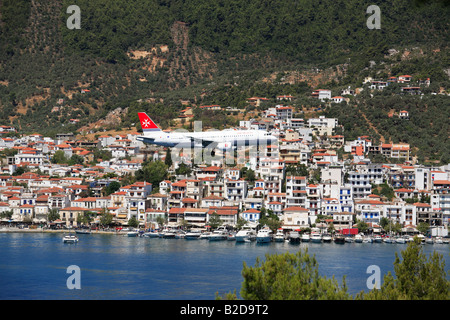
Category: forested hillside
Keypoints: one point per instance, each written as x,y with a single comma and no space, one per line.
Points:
163,52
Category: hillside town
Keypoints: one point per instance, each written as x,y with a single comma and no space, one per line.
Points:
312,177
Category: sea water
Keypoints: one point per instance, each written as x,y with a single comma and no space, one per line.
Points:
115,267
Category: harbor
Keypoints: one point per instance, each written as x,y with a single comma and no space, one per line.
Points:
33,264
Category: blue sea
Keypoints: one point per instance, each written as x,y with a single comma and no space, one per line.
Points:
34,266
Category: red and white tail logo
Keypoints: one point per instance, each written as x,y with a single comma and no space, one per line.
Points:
146,123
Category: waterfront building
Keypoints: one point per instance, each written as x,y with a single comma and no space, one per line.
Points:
296,217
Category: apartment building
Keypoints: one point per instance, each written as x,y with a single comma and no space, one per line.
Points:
296,191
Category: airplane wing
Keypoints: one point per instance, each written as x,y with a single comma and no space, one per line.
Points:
203,142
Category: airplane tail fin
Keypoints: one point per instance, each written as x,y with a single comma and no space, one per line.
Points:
146,123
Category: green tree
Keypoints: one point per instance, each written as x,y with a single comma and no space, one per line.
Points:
153,172
53,215
106,218
59,157
132,222
423,227
416,278
168,159
269,219
214,220
112,187
289,276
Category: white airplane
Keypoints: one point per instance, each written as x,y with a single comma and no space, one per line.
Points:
224,140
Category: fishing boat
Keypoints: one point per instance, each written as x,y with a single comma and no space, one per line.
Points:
246,234
367,239
294,237
70,239
358,238
218,234
264,235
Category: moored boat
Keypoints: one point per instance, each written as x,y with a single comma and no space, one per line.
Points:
358,238
231,236
294,237
349,239
305,237
246,234
151,234
377,239
204,235
193,235
133,233
279,236
316,237
83,231
400,240
169,233
327,238
438,240
218,234
368,239
264,235
339,238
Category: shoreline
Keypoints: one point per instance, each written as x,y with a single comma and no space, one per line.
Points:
39,230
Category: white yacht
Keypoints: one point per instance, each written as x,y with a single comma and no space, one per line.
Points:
246,234
264,235
305,237
368,239
70,239
349,239
169,233
400,240
218,234
327,237
358,238
193,234
316,237
377,239
279,236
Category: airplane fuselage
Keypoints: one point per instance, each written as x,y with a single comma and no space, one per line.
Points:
222,139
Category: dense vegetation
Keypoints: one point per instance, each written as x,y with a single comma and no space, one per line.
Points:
220,54
295,276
